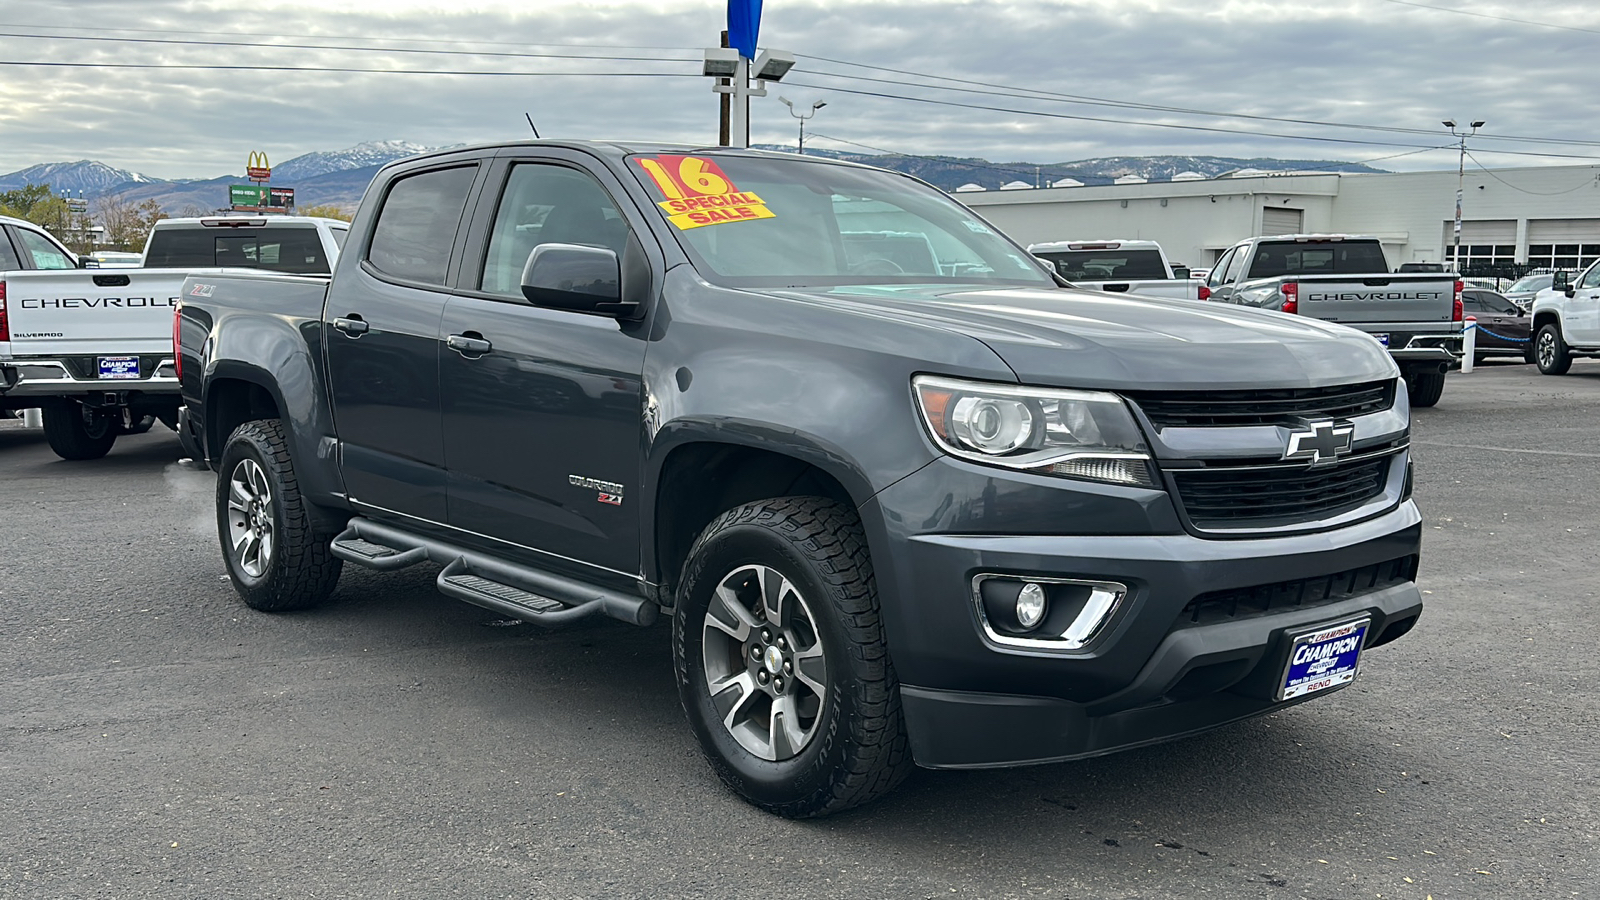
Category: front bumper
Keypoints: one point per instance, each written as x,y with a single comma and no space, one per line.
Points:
1199,640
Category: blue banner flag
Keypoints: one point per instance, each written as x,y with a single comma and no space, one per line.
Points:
744,21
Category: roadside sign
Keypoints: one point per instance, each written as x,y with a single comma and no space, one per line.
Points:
247,195
257,167
280,196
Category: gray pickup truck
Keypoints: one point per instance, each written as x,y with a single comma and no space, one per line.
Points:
1346,279
900,508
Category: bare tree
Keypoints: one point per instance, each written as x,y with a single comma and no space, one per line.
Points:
126,225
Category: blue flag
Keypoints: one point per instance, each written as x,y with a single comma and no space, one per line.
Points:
744,21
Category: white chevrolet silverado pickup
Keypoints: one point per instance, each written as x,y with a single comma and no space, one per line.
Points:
1120,267
92,349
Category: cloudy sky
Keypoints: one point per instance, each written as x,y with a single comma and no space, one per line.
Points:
1039,80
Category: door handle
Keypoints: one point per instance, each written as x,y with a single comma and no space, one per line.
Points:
468,343
352,325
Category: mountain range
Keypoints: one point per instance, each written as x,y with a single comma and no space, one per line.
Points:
338,177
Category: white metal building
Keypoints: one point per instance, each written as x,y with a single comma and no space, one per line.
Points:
1542,216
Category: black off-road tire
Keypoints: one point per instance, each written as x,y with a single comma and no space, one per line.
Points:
1425,387
1550,351
75,433
300,572
859,750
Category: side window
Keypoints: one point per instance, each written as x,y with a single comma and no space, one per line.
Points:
1221,268
1236,265
418,223
339,234
1591,278
46,255
547,204
8,256
1472,301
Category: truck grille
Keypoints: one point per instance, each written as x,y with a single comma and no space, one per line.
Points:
1263,407
1261,599
1267,496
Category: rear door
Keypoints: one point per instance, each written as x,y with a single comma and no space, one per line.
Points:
544,423
381,331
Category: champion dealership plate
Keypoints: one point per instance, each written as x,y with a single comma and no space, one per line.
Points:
1323,659
119,367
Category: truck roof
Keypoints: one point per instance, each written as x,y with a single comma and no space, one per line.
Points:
222,220
619,149
1096,244
1312,237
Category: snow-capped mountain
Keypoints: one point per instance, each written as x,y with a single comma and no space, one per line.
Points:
86,176
371,153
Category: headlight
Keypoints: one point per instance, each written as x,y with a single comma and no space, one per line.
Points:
1079,434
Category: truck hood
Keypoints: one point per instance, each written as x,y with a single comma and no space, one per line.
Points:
1075,338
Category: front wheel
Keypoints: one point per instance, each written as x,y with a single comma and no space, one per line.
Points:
1425,387
779,653
1550,351
77,432
276,559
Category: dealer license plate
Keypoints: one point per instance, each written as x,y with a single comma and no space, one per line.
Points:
1323,659
1382,339
119,367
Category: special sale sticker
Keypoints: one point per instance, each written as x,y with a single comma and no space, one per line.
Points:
699,193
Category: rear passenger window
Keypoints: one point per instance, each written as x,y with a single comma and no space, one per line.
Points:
45,254
418,222
8,256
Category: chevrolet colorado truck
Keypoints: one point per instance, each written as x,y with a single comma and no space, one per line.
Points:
934,509
92,348
1345,279
1566,320
1120,267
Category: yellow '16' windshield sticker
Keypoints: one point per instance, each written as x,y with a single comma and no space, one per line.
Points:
699,193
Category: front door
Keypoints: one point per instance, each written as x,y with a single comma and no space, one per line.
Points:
382,340
1582,319
543,408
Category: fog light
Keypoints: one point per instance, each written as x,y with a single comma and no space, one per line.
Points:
1030,605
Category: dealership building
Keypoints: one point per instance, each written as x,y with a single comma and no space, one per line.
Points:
1538,218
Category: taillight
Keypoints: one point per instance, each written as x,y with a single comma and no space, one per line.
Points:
1205,292
177,352
5,327
1457,310
1291,297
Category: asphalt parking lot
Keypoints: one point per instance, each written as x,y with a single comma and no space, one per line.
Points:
158,739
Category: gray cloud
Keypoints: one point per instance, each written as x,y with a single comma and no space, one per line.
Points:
1364,61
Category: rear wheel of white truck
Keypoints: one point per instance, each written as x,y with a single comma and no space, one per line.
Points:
780,658
1425,387
77,432
276,559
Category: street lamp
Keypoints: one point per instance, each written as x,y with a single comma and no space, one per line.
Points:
729,66
1461,178
803,117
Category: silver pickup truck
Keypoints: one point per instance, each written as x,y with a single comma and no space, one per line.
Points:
1346,279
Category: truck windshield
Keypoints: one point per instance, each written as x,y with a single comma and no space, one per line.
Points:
1318,258
1106,265
294,250
761,222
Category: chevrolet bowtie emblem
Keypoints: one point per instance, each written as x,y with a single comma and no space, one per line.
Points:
1320,442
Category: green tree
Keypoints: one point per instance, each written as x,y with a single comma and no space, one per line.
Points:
327,211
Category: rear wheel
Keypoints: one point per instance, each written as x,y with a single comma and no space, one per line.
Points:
77,432
1550,352
1425,387
276,559
780,658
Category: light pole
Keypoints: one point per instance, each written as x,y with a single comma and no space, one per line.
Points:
726,64
1461,178
803,117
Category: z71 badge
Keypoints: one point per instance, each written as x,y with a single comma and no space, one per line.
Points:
610,491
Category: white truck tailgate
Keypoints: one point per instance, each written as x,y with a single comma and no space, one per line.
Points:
84,311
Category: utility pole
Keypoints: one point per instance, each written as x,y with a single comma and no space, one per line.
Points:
803,117
1461,179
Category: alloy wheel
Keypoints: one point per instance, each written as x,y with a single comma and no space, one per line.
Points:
250,523
764,662
1547,349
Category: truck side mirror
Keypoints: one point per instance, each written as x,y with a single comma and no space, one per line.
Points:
575,277
1560,281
